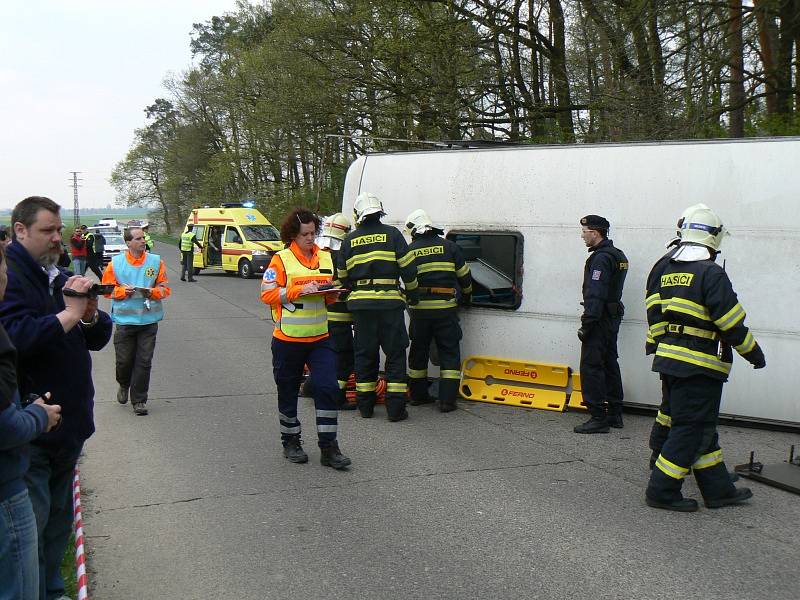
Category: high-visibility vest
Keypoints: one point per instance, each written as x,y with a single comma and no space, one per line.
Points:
187,239
310,316
133,310
148,241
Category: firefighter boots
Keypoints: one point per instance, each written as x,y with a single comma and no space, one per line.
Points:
678,505
739,496
294,451
332,457
615,420
593,425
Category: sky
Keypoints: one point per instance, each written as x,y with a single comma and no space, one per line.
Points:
75,77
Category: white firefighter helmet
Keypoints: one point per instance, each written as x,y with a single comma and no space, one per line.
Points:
677,239
366,203
701,235
418,222
334,230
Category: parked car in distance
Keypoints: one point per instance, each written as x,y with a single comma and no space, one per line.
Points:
114,245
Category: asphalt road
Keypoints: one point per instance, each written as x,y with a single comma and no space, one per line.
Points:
196,501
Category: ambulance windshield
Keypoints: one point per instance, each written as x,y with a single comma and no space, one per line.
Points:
260,233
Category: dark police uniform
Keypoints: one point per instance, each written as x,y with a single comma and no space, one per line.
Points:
441,273
603,280
371,261
699,321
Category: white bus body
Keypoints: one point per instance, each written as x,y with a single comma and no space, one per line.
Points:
541,192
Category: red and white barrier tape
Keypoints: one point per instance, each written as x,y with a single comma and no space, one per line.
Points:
80,558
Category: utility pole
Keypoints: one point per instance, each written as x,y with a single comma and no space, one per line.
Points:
76,212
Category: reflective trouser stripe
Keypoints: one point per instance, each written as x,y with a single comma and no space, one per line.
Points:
418,373
670,469
449,374
368,386
342,383
708,460
396,388
289,425
327,421
663,419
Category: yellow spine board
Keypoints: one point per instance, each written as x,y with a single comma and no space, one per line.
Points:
513,395
537,373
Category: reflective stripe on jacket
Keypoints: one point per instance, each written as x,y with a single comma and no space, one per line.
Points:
371,262
441,273
698,307
187,240
306,316
134,310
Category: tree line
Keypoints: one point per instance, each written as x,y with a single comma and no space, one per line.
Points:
283,97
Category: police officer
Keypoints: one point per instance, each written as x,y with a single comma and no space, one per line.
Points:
603,279
340,321
373,259
443,278
701,321
188,239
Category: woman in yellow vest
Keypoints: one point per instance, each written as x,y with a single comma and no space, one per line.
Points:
291,286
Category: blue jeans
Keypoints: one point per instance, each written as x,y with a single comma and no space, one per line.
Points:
19,563
79,265
49,480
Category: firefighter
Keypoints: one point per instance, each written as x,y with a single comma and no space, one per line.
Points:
444,280
290,285
373,259
340,321
701,321
603,280
661,425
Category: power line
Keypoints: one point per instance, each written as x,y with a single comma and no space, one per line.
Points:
76,212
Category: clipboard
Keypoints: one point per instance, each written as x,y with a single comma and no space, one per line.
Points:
325,291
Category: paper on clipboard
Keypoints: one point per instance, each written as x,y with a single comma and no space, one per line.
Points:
326,291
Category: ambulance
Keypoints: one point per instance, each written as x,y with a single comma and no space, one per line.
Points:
236,238
515,213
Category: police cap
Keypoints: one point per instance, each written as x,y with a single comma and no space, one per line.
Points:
595,222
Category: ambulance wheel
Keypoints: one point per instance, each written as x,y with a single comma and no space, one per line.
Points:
245,269
197,270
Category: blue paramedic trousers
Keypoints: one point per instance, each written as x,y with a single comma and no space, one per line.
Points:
288,361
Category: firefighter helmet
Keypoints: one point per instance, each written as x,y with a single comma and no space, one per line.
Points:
702,226
419,222
366,203
334,230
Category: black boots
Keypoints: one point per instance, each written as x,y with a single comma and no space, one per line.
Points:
294,451
679,505
739,496
332,457
615,420
593,425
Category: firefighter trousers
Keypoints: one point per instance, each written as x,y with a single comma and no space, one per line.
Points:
692,442
288,360
341,336
381,330
661,426
599,366
445,332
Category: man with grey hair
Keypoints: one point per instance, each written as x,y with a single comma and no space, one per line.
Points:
53,321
